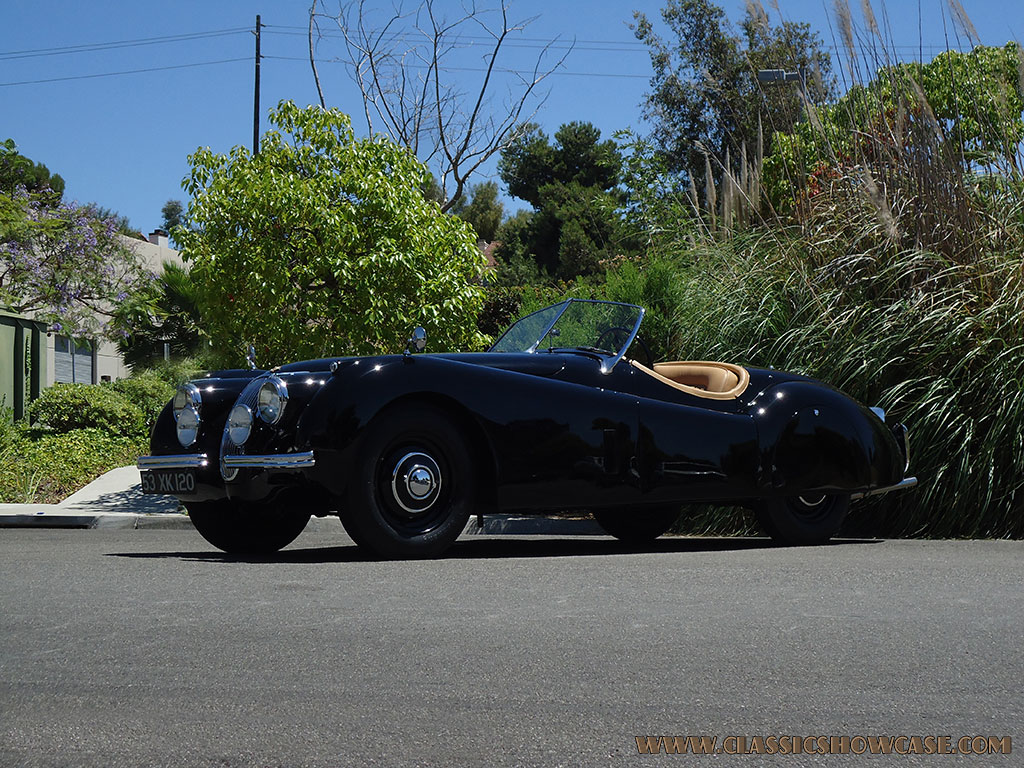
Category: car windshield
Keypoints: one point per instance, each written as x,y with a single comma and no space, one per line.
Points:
603,328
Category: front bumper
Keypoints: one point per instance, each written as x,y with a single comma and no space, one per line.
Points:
279,461
181,461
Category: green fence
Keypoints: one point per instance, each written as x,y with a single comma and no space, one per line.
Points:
22,361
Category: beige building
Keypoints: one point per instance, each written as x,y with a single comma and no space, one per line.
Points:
99,361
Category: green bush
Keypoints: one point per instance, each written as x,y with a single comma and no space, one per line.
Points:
52,466
147,391
64,407
175,372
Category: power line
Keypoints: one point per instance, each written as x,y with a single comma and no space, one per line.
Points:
125,72
479,69
92,47
467,41
603,45
472,38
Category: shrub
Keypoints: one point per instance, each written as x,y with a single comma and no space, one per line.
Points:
55,465
148,392
175,372
65,407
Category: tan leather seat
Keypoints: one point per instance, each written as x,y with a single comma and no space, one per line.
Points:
713,380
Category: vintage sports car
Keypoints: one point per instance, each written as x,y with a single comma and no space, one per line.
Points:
555,416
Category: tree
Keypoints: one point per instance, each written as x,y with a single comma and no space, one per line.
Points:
164,310
171,213
705,98
121,223
16,171
323,244
62,264
572,186
402,62
484,211
928,138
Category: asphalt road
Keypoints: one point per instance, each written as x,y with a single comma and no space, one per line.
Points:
147,647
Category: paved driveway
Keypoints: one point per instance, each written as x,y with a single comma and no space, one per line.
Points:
147,647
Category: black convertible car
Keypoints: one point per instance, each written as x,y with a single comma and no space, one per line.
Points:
404,448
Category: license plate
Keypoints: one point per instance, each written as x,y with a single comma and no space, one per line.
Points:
176,481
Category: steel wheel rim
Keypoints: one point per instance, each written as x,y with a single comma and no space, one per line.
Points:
811,507
413,487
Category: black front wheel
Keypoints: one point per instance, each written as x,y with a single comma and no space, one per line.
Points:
637,526
413,487
245,528
811,518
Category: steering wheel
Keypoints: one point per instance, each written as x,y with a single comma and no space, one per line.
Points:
625,335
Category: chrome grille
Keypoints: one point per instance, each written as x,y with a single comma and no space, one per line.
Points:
227,448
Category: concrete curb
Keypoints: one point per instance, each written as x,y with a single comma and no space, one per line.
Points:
26,516
115,500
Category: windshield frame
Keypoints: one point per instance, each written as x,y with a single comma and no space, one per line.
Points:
608,362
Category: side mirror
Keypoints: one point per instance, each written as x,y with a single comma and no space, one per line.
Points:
251,357
417,341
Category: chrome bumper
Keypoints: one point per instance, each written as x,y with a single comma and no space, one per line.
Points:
182,461
908,482
271,461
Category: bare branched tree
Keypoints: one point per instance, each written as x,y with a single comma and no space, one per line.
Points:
402,64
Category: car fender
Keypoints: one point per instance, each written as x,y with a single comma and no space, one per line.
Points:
813,437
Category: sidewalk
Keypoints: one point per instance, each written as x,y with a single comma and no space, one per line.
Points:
116,500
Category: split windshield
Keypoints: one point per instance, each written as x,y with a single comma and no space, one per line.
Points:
602,328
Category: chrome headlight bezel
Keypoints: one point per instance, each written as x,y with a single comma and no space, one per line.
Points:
188,395
271,400
186,426
239,424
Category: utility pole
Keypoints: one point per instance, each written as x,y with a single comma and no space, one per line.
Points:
256,96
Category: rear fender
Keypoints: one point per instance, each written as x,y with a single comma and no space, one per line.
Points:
815,438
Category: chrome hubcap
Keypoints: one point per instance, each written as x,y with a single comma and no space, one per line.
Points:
415,482
813,500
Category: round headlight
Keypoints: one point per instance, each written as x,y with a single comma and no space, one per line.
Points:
187,426
271,400
239,424
187,395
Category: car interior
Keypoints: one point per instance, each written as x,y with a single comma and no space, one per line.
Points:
713,380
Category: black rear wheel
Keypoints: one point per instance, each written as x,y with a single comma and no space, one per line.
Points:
637,526
811,518
245,528
413,484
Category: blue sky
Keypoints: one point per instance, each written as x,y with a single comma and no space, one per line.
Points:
123,141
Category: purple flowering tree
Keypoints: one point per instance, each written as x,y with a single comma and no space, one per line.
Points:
63,265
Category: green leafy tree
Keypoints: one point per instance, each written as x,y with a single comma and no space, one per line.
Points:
572,184
484,211
323,244
16,171
705,97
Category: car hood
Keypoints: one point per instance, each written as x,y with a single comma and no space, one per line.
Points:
521,362
535,365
